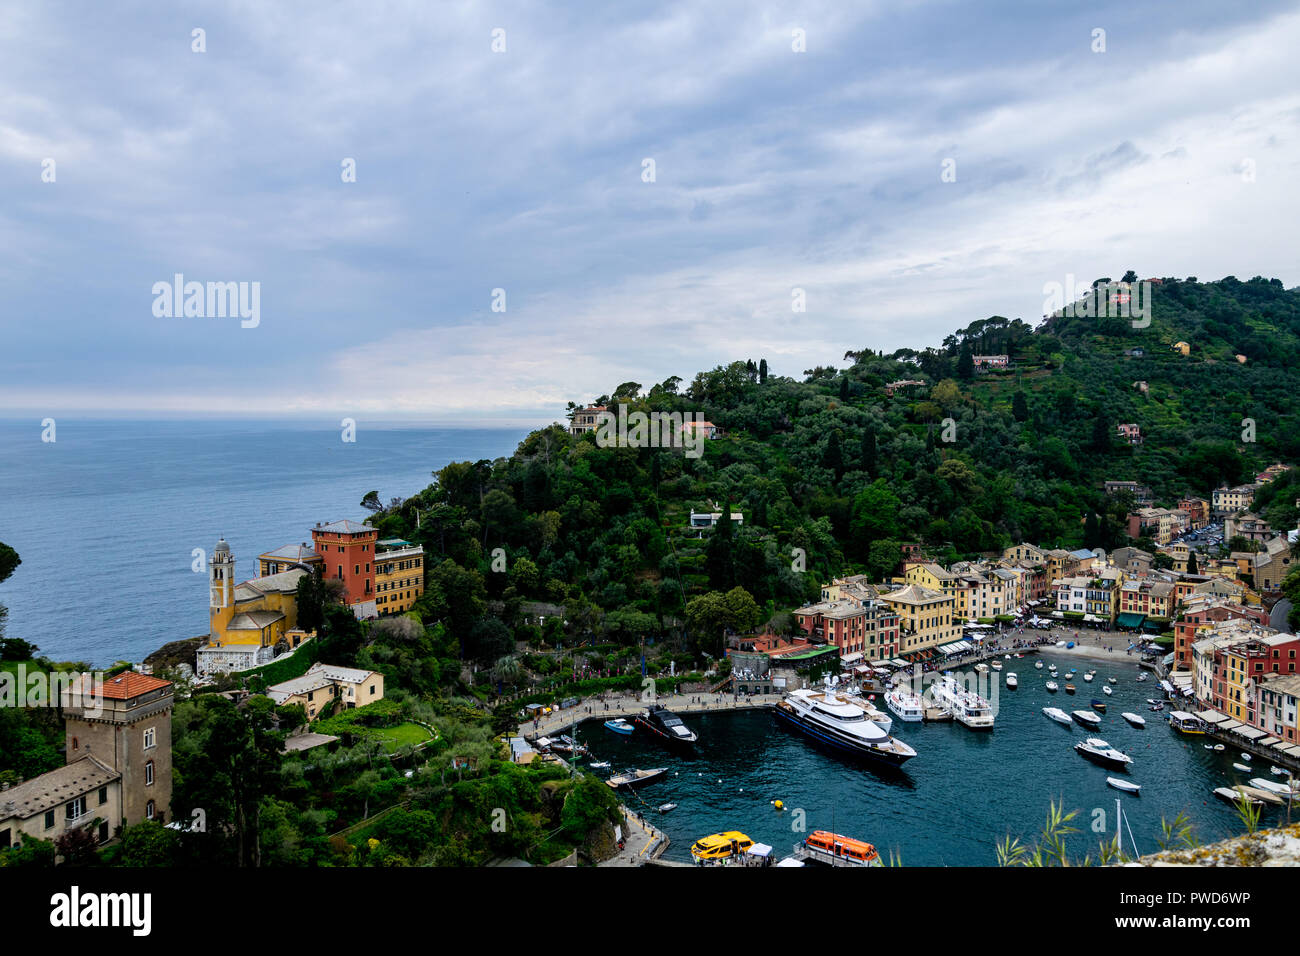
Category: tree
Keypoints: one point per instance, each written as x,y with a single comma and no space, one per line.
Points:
1020,407
147,843
78,847
869,452
9,560
371,501
1192,567
965,364
762,371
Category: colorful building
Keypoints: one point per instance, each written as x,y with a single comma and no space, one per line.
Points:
399,575
347,551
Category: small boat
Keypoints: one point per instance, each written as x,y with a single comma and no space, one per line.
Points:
1134,719
635,778
1087,718
619,726
1096,749
982,668
1128,786
996,665
1219,747
1106,690
1058,715
1069,688
1141,677
1052,668
1062,643
1279,772
1272,786
1038,665
1112,680
1098,705
1088,678
1052,686
599,765
1012,680
666,807
1241,766
1245,756
1237,796
906,705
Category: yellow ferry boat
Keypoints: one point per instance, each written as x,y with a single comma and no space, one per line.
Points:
718,847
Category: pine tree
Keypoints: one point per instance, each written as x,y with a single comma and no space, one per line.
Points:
1192,567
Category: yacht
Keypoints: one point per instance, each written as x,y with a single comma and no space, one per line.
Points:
1134,719
905,705
1087,718
965,706
665,725
983,668
1058,715
1096,749
1012,680
841,723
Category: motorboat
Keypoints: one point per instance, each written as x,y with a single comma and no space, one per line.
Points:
619,726
841,723
1069,688
1142,677
1038,665
1272,786
1098,705
1012,680
983,668
1096,749
599,765
1134,719
1279,772
1219,747
666,807
1087,678
1106,690
1052,686
1058,715
1086,717
635,778
966,707
905,705
1241,767
837,850
996,665
1128,786
665,725
1112,680
566,746
1186,723
1237,796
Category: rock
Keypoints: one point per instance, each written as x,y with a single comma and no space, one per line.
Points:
1277,847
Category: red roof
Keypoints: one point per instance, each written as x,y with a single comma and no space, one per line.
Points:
129,684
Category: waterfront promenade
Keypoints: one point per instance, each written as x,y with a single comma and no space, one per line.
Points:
622,705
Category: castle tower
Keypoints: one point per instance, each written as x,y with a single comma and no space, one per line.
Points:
126,723
221,590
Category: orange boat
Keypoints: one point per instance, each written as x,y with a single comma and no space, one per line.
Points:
840,850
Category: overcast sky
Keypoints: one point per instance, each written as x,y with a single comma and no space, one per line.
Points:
1173,152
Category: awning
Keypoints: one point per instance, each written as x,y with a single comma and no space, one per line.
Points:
1267,741
1058,614
760,849
1212,716
1167,687
1231,725
850,658
790,861
1251,733
1291,750
1130,619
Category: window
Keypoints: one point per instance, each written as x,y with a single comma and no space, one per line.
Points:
150,738
76,745
103,795
149,810
49,819
74,809
148,777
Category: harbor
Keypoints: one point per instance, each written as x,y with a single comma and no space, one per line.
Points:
963,792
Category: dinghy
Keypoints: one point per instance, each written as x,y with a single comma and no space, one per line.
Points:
665,807
1128,786
1052,686
1279,772
1272,786
1106,690
1038,664
1241,766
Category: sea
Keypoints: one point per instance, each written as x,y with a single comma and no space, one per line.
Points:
964,791
109,517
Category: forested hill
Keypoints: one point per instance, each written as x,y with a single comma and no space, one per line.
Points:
833,465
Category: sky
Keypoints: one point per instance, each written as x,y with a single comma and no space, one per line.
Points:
911,167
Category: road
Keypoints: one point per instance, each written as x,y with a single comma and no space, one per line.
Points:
1278,618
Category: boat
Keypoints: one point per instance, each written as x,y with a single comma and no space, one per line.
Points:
1052,686
1112,680
1069,688
1106,690
1098,705
666,807
1087,678
1058,715
1141,677
1245,756
1052,668
966,707
1062,643
635,778
1012,680
1237,796
665,725
840,850
1272,786
1069,644
619,726
1134,719
1038,665
1219,747
1279,772
1087,718
1156,708
905,705
1096,749
566,746
841,723
983,668
1186,723
996,665
1128,786
719,847
1241,766
599,765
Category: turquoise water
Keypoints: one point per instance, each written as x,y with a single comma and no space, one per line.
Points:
962,793
106,518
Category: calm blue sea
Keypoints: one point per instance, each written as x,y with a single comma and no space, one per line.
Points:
106,518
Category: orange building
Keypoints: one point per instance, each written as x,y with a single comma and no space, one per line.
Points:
347,552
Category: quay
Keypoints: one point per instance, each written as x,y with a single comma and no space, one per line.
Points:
623,705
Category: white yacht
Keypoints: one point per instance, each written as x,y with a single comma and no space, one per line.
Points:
842,723
966,707
1052,686
1058,715
1087,718
1012,680
1094,748
905,705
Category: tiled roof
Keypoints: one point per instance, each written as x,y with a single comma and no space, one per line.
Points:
292,552
49,790
130,684
254,620
346,526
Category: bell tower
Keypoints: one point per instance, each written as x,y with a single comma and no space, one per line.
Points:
221,590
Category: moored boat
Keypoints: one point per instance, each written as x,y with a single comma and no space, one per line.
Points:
1237,796
666,807
665,726
839,722
1186,723
966,707
1134,719
635,778
905,705
1128,786
720,847
1012,680
619,726
1098,705
1272,786
1058,715
1096,749
1086,717
1106,690
1069,688
1038,665
838,850
1051,685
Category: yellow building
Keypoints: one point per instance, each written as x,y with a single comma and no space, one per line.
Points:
925,617
399,575
322,683
246,621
